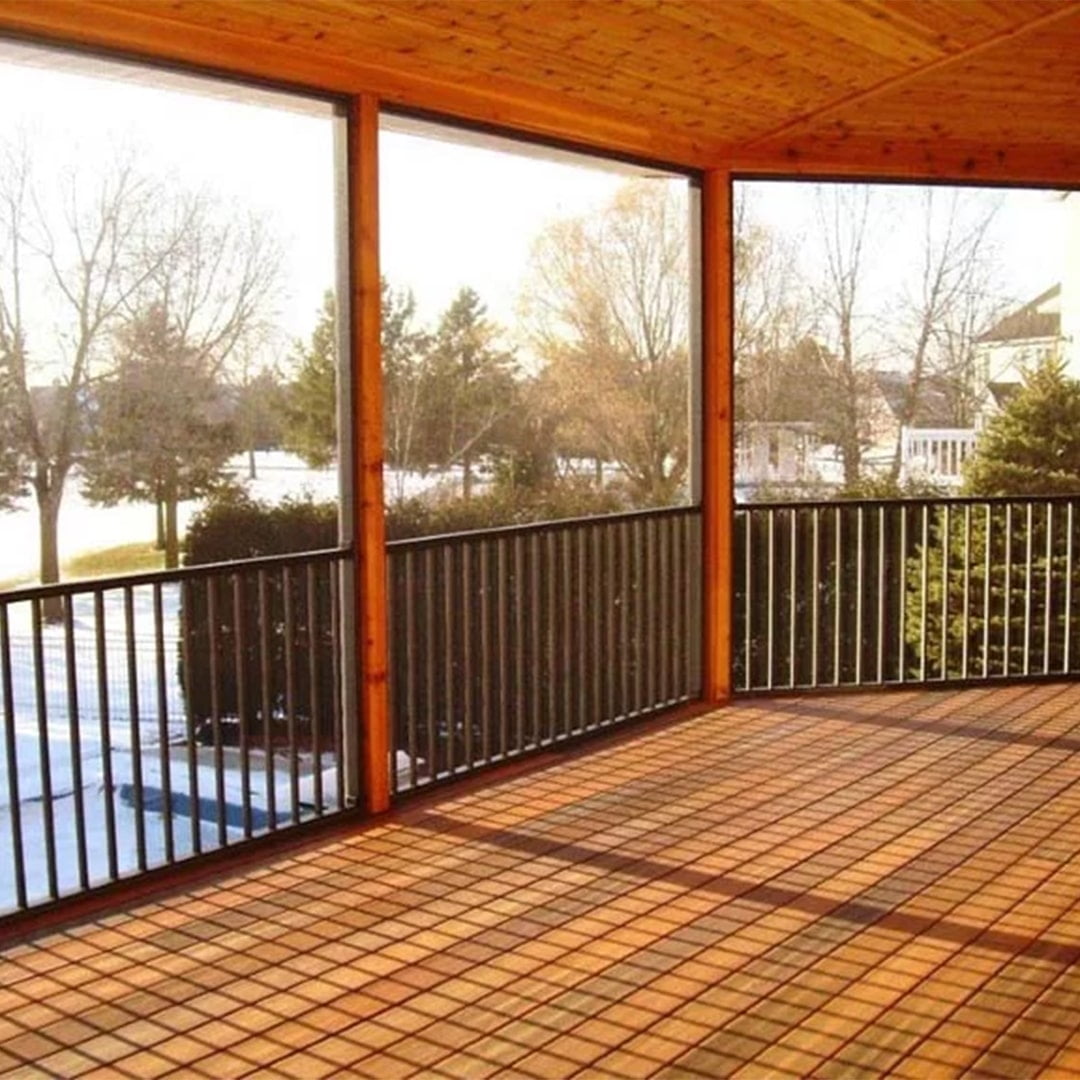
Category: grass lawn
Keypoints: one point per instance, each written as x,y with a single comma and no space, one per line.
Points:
122,559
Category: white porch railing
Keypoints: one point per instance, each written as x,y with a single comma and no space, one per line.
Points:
936,454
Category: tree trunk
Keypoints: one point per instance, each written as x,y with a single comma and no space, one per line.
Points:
159,511
251,464
598,470
48,500
172,541
466,476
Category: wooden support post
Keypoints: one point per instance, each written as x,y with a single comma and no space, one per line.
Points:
369,530
717,433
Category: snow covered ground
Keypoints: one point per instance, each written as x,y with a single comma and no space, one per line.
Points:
94,766
57,743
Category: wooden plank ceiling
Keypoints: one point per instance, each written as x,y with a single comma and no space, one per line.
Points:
985,88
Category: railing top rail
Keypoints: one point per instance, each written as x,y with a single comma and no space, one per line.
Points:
933,500
540,526
169,577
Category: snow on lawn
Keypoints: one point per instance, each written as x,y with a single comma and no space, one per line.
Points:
92,768
85,527
71,761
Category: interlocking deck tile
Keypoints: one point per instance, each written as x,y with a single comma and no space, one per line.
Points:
831,885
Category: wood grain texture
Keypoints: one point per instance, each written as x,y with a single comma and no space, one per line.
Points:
718,436
370,531
923,86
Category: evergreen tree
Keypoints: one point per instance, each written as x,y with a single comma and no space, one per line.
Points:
158,431
474,388
1033,446
311,409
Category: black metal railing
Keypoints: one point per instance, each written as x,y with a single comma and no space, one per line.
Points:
150,717
886,592
509,640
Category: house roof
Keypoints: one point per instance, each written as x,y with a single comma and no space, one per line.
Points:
979,88
934,406
1027,322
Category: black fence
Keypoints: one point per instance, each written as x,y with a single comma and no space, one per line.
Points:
873,593
509,640
155,716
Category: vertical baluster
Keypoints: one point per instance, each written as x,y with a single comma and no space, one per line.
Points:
860,579
487,674
541,669
266,696
290,692
427,595
838,565
314,696
74,735
551,577
625,618
1049,520
14,800
215,705
966,620
924,584
520,602
815,594
1066,660
642,630
793,601
588,714
946,555
239,615
569,637
466,607
612,659
502,644
748,596
901,644
987,592
411,733
44,762
661,559
1029,523
334,571
189,587
679,622
1007,663
163,722
135,726
881,587
770,599
594,575
450,657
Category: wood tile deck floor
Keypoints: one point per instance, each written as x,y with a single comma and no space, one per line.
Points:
838,886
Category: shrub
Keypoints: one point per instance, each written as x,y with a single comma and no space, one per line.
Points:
254,696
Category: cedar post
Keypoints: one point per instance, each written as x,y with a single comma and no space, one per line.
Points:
369,531
717,434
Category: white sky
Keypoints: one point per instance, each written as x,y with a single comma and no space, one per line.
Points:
453,214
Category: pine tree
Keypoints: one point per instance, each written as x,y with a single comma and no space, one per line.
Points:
311,409
474,388
1033,446
158,431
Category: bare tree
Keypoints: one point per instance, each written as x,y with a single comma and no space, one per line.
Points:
212,272
609,302
843,213
92,251
771,312
947,307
